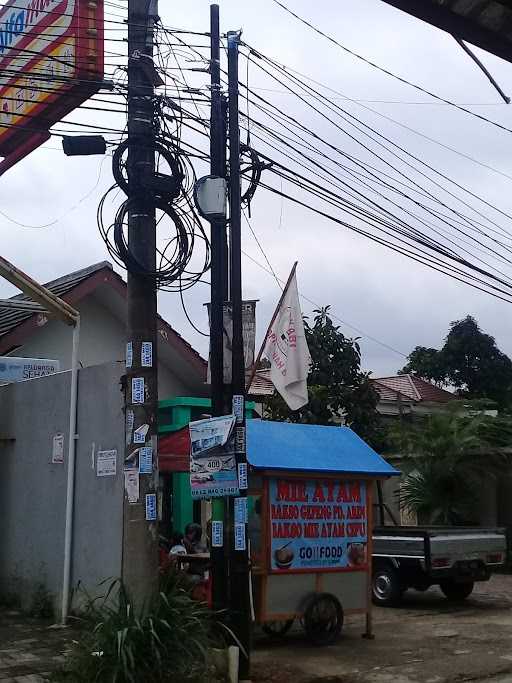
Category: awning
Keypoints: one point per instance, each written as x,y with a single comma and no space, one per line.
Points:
288,446
312,448
174,451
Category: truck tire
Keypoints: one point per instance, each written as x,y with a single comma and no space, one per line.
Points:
386,588
457,592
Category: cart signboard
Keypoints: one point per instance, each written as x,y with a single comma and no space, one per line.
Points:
213,470
317,525
51,60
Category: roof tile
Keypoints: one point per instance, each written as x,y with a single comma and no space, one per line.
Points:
412,387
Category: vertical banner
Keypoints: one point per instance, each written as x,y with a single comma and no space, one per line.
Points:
317,524
249,337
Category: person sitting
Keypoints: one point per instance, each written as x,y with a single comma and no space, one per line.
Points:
194,546
177,546
193,539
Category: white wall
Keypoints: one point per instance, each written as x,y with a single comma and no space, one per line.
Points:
102,340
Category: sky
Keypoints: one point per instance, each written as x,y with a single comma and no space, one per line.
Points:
389,301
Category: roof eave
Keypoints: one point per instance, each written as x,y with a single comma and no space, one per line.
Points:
466,28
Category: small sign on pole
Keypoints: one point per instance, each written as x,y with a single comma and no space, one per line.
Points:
151,507
217,533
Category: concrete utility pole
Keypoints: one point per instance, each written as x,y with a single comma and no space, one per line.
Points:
140,528
240,605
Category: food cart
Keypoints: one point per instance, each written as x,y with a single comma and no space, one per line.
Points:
309,527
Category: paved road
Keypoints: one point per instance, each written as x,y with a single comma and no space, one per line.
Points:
426,640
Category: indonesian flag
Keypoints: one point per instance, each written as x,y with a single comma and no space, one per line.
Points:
287,350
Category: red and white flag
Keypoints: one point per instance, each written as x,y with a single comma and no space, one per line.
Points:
287,350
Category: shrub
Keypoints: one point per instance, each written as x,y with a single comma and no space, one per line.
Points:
167,640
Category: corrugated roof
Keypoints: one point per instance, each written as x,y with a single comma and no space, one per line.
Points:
10,318
412,388
312,448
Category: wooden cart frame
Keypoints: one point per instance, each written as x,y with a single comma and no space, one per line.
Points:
262,572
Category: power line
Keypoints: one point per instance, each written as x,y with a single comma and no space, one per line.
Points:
262,250
364,105
336,317
390,73
66,213
457,273
419,257
466,264
351,116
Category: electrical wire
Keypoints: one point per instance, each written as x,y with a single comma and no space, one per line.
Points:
390,73
333,315
66,213
461,273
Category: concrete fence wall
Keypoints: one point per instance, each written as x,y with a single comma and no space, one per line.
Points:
33,489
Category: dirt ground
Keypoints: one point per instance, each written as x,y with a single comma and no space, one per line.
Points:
426,640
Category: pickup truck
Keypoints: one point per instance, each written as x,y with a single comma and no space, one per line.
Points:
419,557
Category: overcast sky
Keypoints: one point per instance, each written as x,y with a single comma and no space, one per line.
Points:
385,295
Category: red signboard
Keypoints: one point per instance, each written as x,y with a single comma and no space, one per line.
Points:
51,60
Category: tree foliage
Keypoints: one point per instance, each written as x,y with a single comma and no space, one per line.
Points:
336,384
445,459
470,361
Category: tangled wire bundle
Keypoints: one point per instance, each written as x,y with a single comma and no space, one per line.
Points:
171,197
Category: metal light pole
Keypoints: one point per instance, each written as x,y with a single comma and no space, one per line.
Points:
218,291
239,569
140,528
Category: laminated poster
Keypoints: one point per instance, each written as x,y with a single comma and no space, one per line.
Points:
131,485
213,471
106,463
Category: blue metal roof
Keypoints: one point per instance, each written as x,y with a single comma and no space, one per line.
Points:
312,448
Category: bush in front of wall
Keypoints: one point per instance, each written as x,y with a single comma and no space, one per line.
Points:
169,640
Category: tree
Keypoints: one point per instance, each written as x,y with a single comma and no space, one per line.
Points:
445,459
470,361
336,385
425,363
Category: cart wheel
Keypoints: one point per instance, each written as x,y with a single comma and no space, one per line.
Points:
323,619
277,629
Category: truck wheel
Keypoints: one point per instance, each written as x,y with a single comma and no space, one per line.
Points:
456,592
323,619
386,588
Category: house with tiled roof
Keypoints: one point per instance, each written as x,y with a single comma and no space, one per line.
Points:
99,294
401,395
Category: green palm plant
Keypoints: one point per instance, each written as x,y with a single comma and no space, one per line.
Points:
446,458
